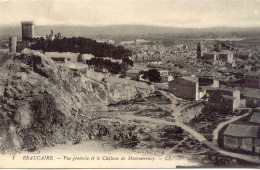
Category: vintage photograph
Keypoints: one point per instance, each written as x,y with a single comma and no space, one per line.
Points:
130,84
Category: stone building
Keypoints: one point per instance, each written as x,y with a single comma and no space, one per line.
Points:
12,44
185,88
27,30
223,98
226,56
22,45
252,80
53,36
252,97
208,81
242,137
255,118
213,55
50,36
164,72
201,49
166,78
209,57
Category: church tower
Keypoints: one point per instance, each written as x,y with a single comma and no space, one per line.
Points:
200,49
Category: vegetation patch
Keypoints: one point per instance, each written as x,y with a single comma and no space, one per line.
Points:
208,120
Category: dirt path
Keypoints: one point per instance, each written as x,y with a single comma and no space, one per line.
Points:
195,134
176,110
221,125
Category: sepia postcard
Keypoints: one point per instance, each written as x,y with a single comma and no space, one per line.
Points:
129,84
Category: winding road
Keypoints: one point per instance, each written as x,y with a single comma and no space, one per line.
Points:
213,145
221,125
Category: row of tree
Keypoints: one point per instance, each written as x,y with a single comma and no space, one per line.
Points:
82,45
112,67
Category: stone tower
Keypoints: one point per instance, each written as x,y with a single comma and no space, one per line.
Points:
27,30
12,44
200,49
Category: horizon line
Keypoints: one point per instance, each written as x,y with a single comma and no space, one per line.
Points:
144,25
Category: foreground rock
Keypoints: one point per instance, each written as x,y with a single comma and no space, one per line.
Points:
43,103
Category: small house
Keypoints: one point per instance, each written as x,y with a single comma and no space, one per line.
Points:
242,137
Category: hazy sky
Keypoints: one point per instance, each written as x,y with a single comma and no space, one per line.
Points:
173,13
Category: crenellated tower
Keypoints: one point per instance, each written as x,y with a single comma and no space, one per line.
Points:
27,30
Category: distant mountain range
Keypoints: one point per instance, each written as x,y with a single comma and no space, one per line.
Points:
121,30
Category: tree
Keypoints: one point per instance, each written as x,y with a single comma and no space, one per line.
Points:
83,46
128,61
153,75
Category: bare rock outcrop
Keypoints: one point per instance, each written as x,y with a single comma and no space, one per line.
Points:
43,103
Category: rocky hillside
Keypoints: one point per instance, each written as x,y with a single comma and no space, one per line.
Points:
43,103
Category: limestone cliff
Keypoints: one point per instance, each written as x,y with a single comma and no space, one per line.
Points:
43,103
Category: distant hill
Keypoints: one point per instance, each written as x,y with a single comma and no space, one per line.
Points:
121,30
